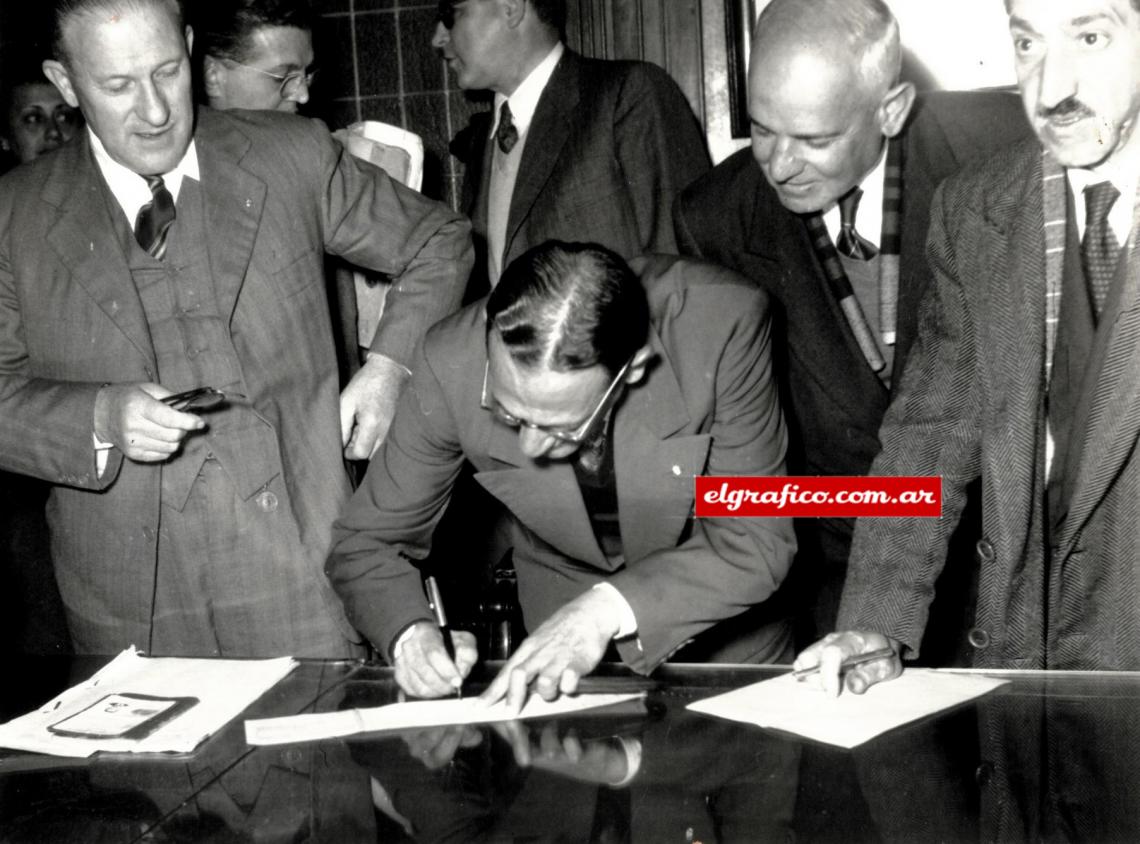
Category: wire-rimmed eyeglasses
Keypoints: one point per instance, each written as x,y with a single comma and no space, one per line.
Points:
576,436
289,83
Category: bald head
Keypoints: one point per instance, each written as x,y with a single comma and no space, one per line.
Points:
823,96
861,36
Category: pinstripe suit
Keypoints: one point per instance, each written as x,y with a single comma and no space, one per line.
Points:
277,192
971,405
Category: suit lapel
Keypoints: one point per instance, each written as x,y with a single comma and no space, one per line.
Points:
546,136
649,457
85,239
234,199
1112,422
545,497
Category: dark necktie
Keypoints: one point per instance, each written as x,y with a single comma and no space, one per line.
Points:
154,219
506,135
849,242
1099,248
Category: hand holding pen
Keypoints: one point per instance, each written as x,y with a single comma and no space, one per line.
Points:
431,662
855,660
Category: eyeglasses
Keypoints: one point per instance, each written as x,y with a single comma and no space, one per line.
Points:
574,437
290,83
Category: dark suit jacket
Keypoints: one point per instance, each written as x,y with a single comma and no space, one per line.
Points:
610,146
835,401
278,193
707,406
970,405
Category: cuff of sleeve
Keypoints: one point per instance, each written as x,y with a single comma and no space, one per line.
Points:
382,358
101,454
627,621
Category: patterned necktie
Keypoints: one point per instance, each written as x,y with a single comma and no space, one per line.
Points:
155,218
840,287
506,135
849,242
1099,249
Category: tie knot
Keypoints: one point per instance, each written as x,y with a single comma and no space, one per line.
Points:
848,206
1099,199
155,183
507,135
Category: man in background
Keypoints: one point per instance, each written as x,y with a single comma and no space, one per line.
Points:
575,149
1025,376
835,130
165,252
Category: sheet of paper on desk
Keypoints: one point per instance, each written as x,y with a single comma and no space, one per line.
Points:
420,713
222,687
800,707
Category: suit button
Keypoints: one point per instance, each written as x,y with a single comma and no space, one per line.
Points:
985,551
979,638
266,500
983,773
148,533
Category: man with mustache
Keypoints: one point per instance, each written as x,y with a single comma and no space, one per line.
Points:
1025,374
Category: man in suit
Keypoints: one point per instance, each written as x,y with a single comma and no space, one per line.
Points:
1025,375
833,127
590,150
191,532
587,402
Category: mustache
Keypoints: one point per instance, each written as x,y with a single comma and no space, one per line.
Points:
1069,106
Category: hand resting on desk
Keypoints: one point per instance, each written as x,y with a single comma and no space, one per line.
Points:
832,650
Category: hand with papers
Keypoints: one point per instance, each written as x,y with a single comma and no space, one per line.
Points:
837,656
563,649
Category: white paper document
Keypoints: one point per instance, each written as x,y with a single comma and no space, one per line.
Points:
801,707
417,714
141,705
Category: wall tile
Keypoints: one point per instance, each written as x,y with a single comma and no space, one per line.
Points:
427,117
332,46
378,57
423,68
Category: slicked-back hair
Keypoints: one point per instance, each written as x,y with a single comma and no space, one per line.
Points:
568,306
869,27
65,10
224,29
550,12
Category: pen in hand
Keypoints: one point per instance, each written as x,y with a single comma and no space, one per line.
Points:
435,600
849,662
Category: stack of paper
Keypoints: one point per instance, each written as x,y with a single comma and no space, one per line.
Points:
141,705
801,707
418,714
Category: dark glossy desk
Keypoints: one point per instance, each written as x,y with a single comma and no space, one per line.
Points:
1042,759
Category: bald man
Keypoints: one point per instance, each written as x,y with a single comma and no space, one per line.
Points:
831,123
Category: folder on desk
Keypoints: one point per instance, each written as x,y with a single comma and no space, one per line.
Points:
137,704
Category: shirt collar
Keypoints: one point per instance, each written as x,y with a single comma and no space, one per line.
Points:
869,214
1120,215
129,188
524,99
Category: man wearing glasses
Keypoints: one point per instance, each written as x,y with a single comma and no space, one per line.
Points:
257,54
587,394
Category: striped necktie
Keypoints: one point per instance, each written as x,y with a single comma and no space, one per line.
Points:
850,242
155,218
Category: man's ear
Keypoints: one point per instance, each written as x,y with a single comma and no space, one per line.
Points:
213,78
61,79
637,367
515,11
895,107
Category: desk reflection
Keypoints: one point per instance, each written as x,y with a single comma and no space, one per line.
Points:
1041,759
